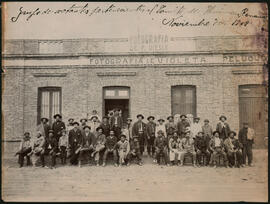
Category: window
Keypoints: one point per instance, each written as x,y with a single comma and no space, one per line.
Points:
184,100
49,102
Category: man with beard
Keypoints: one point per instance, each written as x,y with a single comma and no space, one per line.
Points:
139,131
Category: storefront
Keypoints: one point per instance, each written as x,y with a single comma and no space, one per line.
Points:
204,76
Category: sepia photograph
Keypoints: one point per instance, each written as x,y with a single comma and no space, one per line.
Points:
134,101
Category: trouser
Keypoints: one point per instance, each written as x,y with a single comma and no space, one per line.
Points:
39,155
200,154
142,142
53,158
97,150
73,156
107,151
176,155
162,152
135,153
235,158
150,146
117,132
122,156
63,154
219,152
22,154
192,153
85,152
247,153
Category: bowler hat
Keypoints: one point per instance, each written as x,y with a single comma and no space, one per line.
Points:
245,123
83,119
43,118
140,115
98,128
161,119
116,109
183,116
232,132
215,132
129,119
76,123
94,116
206,120
70,119
222,116
151,117
57,115
169,117
196,118
87,127
105,117
51,131
26,134
122,135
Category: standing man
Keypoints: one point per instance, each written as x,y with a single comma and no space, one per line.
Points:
117,123
94,124
161,126
170,127
246,138
223,127
105,125
127,129
139,130
70,124
83,124
181,125
44,128
150,130
74,140
58,126
195,127
207,129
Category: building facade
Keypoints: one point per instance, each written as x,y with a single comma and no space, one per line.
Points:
155,75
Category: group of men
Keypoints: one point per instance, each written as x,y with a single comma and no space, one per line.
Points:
172,142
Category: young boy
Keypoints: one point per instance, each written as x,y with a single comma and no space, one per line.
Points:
25,149
216,145
110,144
201,148
175,149
123,148
53,148
161,145
63,144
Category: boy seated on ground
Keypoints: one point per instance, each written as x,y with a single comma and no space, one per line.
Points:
123,148
217,147
161,145
201,148
188,144
25,149
110,145
38,150
176,150
233,149
135,151
52,148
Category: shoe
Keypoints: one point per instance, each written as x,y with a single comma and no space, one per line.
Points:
215,166
140,163
251,165
128,164
155,161
116,165
168,165
103,164
194,165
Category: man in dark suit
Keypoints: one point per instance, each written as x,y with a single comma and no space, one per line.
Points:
116,123
223,128
74,140
106,125
58,126
181,126
151,129
139,131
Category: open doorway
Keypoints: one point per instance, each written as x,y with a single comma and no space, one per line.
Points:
122,104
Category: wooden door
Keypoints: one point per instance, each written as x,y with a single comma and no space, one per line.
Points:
252,109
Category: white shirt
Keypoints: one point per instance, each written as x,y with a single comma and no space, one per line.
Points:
161,127
195,128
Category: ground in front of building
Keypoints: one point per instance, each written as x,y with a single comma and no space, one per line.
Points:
149,182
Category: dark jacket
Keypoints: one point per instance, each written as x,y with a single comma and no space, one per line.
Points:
201,144
119,121
106,128
181,127
150,129
161,142
57,127
242,137
53,144
226,129
86,139
75,138
110,142
136,127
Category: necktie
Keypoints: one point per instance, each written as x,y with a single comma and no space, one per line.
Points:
116,120
140,126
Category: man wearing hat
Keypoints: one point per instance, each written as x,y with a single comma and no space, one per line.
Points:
223,127
150,131
207,129
86,144
161,126
171,127
246,138
116,123
201,149
195,127
105,125
189,149
94,123
25,149
70,124
63,146
38,149
110,145
94,113
181,125
58,126
127,129
139,131
44,128
83,123
53,148
98,143
74,140
233,150
161,145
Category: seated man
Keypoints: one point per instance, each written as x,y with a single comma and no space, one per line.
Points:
98,142
110,144
25,149
216,145
188,144
86,144
52,148
135,150
161,144
123,148
201,148
176,149
38,149
233,150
